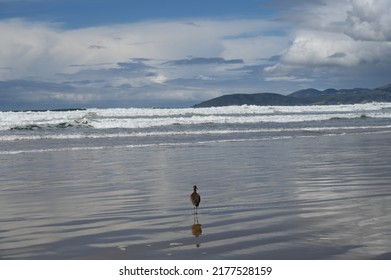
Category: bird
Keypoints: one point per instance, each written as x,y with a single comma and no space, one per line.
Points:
195,198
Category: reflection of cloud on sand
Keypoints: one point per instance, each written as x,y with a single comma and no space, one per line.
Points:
340,200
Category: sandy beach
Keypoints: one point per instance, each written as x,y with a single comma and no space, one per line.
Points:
306,198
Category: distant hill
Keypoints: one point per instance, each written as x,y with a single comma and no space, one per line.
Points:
309,96
386,88
307,92
250,99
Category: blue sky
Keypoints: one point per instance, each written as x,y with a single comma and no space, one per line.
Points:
123,53
79,13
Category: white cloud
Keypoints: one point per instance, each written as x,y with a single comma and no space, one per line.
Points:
309,48
41,49
255,48
337,35
164,60
369,20
159,79
360,19
287,79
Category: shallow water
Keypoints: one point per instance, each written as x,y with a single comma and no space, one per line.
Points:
318,197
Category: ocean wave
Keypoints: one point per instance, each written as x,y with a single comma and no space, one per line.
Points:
65,136
151,122
143,117
79,123
180,144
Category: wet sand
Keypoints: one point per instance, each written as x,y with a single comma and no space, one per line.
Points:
324,197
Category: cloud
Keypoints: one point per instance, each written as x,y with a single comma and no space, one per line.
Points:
131,64
338,55
137,66
309,48
96,47
287,78
36,94
319,44
205,61
337,39
251,49
32,48
369,20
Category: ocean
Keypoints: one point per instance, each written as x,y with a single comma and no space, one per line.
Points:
276,182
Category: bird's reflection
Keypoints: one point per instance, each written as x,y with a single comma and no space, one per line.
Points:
196,228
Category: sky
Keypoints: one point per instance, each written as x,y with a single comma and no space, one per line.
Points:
175,53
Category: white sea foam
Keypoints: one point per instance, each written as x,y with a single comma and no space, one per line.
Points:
225,119
91,129
167,144
146,117
64,136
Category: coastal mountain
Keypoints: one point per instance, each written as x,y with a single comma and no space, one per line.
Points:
309,96
250,99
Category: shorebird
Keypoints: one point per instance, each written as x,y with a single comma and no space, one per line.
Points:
195,198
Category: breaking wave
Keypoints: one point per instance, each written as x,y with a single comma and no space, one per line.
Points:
133,118
146,127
